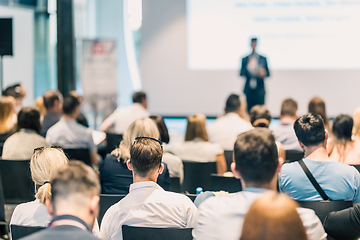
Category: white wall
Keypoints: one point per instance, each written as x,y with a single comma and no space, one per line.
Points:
20,66
175,90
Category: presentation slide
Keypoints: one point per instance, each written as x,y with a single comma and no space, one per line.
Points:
292,34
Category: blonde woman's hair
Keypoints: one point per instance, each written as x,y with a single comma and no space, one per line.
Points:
356,117
7,110
196,128
44,163
273,217
39,105
144,127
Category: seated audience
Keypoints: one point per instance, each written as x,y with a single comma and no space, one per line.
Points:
273,217
121,118
147,204
257,166
67,133
39,105
317,106
284,132
7,123
197,146
356,129
338,181
174,163
225,129
260,117
74,204
81,117
115,177
18,92
341,147
21,145
53,102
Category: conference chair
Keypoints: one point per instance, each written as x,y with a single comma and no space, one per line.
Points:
3,223
81,154
323,208
17,183
224,183
357,167
229,159
175,185
106,201
293,155
147,233
197,174
1,148
113,140
18,231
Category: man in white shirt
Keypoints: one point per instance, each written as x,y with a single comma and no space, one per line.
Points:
147,204
121,118
257,165
225,129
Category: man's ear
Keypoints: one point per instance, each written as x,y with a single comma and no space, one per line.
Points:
234,171
280,163
161,168
302,145
326,134
94,205
49,207
129,165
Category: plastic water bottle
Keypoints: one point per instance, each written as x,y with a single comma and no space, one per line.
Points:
199,190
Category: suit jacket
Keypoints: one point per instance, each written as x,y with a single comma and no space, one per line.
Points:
245,73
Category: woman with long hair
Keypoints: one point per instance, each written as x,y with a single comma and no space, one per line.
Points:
317,106
7,123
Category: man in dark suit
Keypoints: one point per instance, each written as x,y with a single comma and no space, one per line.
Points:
74,204
254,68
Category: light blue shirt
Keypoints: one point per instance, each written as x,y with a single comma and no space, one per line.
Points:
339,181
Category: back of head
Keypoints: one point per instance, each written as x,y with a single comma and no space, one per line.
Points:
70,104
260,116
16,91
73,185
317,106
288,108
146,155
50,97
342,127
29,118
356,118
39,105
233,103
273,217
196,128
310,129
44,163
164,134
256,156
7,111
138,97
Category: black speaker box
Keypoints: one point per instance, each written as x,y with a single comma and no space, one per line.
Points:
6,37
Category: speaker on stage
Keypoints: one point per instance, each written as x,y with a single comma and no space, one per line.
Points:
6,37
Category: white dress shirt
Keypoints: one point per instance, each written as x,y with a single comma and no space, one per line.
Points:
148,205
225,129
122,118
222,217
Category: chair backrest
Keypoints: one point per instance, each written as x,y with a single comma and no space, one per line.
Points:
147,233
228,184
106,201
18,231
1,148
175,185
357,167
81,154
113,140
293,155
18,186
197,174
229,158
2,211
323,208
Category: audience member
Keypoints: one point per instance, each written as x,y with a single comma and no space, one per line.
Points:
273,217
197,146
174,163
53,102
81,117
20,145
44,164
260,117
225,129
115,177
338,181
18,92
7,123
284,132
147,204
121,118
257,166
74,204
67,133
317,106
39,105
356,129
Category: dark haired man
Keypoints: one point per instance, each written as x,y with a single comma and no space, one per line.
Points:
18,92
67,133
74,204
147,204
284,132
338,181
225,129
53,101
257,166
121,118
